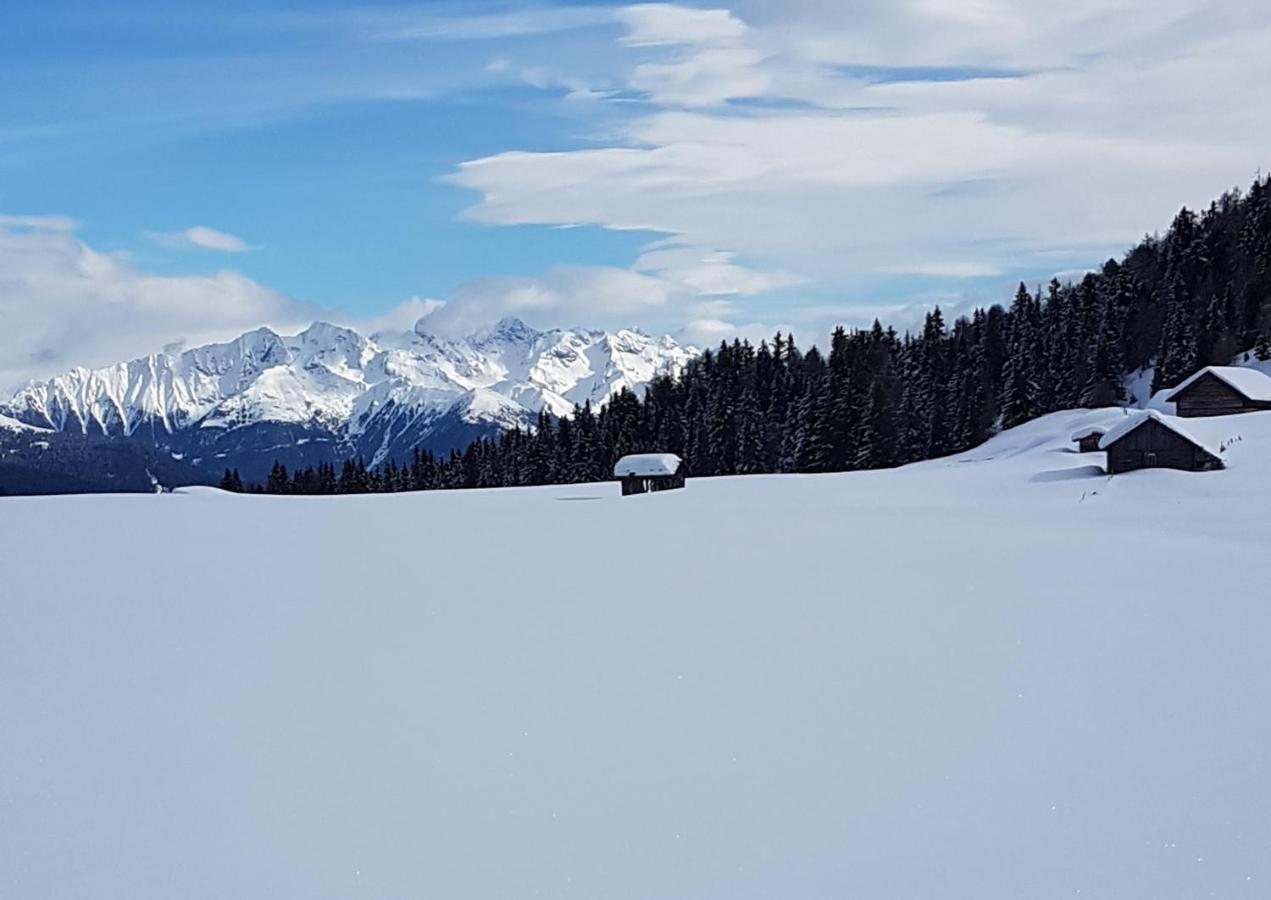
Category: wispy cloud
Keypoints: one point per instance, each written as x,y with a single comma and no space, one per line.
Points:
200,237
415,26
37,223
667,24
921,138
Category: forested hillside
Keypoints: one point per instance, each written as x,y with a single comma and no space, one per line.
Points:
1199,294
44,462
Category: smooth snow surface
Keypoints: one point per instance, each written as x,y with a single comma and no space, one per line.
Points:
1002,675
1088,431
647,465
1252,383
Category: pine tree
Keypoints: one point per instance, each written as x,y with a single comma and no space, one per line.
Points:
1176,358
876,435
277,482
750,444
792,431
1262,349
1020,391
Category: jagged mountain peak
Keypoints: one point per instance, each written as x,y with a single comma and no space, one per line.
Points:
380,396
509,328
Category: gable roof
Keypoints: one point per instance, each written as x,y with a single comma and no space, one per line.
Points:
1250,383
1089,431
647,465
1135,420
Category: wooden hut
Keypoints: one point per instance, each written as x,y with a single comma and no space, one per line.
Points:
1222,391
1087,439
1149,440
642,473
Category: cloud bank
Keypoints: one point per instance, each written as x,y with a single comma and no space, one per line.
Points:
834,145
64,304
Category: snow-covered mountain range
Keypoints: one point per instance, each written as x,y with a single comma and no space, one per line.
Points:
297,398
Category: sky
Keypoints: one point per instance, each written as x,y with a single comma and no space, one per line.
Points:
173,173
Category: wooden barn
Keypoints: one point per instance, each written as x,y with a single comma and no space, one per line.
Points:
1149,440
1087,439
643,473
1222,391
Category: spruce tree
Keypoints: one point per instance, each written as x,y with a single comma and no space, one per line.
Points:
277,482
750,443
1262,349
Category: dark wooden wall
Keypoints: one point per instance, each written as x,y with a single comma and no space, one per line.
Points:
634,484
1171,451
1089,444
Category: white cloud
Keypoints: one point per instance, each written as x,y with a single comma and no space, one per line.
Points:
414,26
706,273
951,269
666,24
64,304
200,237
588,295
767,144
400,318
37,223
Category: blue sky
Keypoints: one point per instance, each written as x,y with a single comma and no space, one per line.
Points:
341,194
172,174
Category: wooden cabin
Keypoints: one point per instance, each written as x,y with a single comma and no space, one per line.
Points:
1149,440
1222,391
1087,439
643,473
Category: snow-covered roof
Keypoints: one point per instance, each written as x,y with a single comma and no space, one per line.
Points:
1250,382
647,465
1089,431
1134,420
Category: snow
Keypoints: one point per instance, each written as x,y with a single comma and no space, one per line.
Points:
647,465
1138,387
330,376
8,424
1087,431
1252,383
874,685
1191,433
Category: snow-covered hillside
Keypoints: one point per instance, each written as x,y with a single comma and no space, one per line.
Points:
999,675
264,394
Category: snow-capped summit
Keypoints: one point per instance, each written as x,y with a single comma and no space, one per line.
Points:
265,395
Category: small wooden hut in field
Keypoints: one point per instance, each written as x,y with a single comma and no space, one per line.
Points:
642,473
1222,391
1087,439
1149,440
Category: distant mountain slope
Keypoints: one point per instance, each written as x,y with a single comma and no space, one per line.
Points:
265,396
40,461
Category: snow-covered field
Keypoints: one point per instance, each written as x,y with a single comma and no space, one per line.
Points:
998,676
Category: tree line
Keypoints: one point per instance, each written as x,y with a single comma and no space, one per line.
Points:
1198,295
